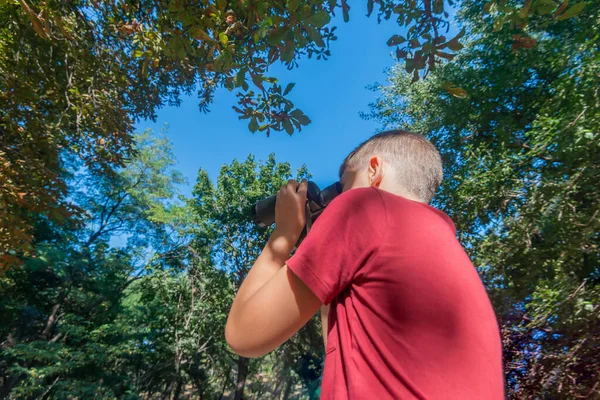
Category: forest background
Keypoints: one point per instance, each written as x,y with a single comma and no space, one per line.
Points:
118,270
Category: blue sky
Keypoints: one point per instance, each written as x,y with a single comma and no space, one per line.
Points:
331,93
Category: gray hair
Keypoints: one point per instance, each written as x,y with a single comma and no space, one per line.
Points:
417,162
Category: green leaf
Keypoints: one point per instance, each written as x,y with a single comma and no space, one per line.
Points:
240,77
524,11
288,54
572,11
223,38
301,40
292,5
260,33
345,11
200,34
257,80
396,40
315,35
253,125
487,6
498,23
288,88
415,76
320,19
370,7
276,36
401,54
543,7
455,90
287,125
304,120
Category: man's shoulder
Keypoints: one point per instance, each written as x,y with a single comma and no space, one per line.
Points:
358,197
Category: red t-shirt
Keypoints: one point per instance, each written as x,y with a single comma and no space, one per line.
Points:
409,317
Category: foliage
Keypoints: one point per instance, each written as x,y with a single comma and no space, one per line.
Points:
87,319
516,117
520,144
76,75
178,321
58,309
223,213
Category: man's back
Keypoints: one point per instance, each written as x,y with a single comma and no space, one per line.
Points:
409,316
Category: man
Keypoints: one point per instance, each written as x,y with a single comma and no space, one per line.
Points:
409,316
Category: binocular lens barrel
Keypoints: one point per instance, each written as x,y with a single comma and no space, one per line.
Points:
263,212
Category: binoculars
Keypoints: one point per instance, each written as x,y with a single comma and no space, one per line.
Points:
263,212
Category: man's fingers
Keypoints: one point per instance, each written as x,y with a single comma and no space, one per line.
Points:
303,187
292,185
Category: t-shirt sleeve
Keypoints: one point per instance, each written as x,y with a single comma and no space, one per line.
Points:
340,242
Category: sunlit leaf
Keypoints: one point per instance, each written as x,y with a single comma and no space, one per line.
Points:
572,12
455,90
319,20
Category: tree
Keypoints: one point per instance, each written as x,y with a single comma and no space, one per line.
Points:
226,228
76,75
517,127
57,336
175,322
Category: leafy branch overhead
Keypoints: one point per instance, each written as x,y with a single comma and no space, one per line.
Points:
75,76
518,16
214,44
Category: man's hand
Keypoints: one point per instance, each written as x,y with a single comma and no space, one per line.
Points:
290,211
273,303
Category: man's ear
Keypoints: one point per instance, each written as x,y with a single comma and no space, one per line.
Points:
375,171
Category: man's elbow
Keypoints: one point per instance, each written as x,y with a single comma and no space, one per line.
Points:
240,343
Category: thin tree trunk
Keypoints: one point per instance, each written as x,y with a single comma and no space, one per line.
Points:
166,395
280,384
225,382
178,389
241,378
8,383
288,389
51,321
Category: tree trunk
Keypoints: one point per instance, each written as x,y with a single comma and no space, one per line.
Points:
288,389
225,381
51,321
166,395
241,378
8,382
178,389
280,384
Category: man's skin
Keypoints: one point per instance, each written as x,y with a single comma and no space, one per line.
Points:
273,303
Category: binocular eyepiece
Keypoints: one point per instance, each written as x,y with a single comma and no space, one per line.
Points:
263,212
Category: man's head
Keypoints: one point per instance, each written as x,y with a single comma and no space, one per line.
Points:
400,162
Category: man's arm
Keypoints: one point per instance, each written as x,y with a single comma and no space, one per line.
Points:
273,303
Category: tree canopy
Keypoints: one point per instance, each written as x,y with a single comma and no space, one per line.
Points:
75,76
84,317
115,285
